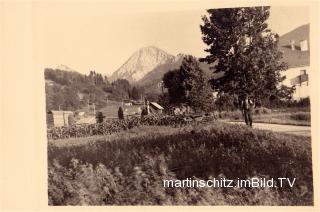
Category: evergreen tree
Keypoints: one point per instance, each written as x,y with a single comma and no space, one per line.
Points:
99,117
135,93
188,85
71,99
173,81
120,113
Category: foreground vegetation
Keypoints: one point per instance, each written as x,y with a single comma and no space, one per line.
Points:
128,168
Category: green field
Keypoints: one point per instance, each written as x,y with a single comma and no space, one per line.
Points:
127,168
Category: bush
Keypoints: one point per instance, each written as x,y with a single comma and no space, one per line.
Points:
120,113
130,171
235,115
144,112
301,116
262,110
303,102
99,117
226,102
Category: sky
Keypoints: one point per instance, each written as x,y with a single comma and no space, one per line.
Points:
101,36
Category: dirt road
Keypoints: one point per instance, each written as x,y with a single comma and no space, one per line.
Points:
290,129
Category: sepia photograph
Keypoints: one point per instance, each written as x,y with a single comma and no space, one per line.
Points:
177,106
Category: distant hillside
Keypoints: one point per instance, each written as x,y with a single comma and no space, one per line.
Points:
155,75
70,90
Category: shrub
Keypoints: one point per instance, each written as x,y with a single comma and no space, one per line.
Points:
226,102
235,115
120,113
144,112
301,116
303,102
262,110
99,117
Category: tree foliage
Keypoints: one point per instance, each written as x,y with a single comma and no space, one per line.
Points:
64,87
136,93
188,85
120,113
245,49
227,102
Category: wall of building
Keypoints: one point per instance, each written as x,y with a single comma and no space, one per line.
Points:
59,120
302,89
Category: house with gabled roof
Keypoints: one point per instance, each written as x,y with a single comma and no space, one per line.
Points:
295,47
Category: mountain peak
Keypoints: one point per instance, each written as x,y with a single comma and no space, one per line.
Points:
149,47
141,63
152,51
64,68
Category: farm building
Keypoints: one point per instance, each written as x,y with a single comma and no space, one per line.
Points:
155,107
57,118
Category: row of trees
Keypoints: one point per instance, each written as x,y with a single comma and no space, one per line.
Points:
246,57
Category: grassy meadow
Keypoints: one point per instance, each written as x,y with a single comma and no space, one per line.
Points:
128,168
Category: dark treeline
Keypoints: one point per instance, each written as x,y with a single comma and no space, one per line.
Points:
66,90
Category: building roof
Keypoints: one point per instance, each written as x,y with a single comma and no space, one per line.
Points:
156,105
56,112
295,58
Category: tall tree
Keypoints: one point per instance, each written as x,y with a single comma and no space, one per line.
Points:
71,101
173,81
135,93
245,50
189,85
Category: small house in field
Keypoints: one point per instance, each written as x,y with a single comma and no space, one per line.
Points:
155,108
58,118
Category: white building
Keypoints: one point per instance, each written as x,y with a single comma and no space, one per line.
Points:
296,53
